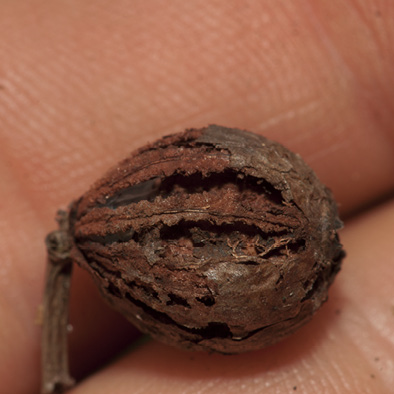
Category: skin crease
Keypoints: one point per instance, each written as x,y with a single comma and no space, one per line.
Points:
84,83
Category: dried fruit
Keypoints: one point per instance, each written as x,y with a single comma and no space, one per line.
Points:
214,239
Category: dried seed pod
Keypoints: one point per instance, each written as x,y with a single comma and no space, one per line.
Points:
213,239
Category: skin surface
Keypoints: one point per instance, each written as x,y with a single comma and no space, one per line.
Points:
84,83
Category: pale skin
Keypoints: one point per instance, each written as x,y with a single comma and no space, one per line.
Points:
84,83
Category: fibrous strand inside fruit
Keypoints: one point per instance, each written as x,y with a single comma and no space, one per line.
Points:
204,240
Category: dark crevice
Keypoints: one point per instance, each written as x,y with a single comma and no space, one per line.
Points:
148,291
297,246
275,252
207,300
177,300
212,330
248,262
280,279
112,289
183,229
306,284
190,184
197,183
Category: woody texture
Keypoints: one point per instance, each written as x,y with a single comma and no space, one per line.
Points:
214,239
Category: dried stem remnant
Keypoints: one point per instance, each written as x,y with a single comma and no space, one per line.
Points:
55,373
213,239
